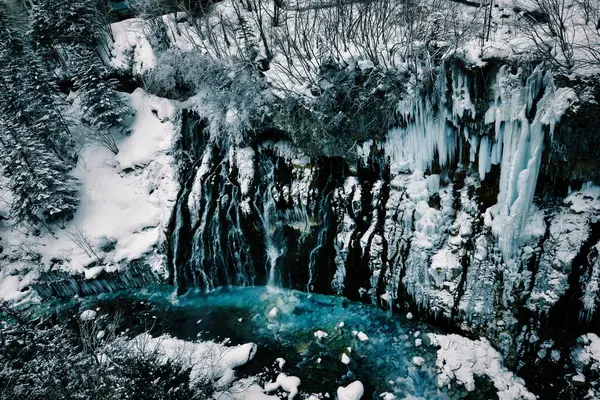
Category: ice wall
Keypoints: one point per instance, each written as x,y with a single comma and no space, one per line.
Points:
521,112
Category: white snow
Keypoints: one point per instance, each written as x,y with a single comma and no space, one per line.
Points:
273,313
131,46
460,358
345,359
126,199
12,287
131,208
207,360
321,334
579,378
88,315
353,391
418,361
288,383
362,336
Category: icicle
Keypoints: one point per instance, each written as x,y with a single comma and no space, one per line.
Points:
429,133
348,198
485,160
522,146
244,161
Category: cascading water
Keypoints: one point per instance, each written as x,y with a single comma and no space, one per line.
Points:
268,217
322,236
411,218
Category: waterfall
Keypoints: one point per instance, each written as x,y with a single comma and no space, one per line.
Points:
322,235
268,217
382,227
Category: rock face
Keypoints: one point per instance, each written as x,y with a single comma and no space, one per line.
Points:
441,218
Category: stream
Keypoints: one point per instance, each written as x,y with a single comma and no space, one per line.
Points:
311,332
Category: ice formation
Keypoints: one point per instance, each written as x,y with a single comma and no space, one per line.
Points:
460,359
515,142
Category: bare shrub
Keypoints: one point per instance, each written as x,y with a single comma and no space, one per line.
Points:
82,240
550,29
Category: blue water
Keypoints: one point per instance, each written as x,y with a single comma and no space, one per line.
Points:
382,364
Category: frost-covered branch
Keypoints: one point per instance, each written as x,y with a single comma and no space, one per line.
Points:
82,240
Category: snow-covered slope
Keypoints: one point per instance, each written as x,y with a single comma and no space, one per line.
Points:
126,203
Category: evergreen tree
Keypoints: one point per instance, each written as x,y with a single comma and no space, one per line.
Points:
41,185
34,96
41,102
70,23
81,35
103,107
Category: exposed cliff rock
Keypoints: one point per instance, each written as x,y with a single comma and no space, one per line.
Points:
440,218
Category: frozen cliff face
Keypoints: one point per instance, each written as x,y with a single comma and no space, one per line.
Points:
125,206
439,218
586,360
569,234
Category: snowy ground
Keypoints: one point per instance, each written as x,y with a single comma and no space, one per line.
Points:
126,201
131,48
460,360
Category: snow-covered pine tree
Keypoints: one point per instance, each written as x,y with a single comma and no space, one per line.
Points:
103,107
75,31
42,188
41,185
35,96
55,25
41,101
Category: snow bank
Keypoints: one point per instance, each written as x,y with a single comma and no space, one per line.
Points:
353,391
131,46
459,359
88,315
288,383
209,361
125,202
11,288
129,197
